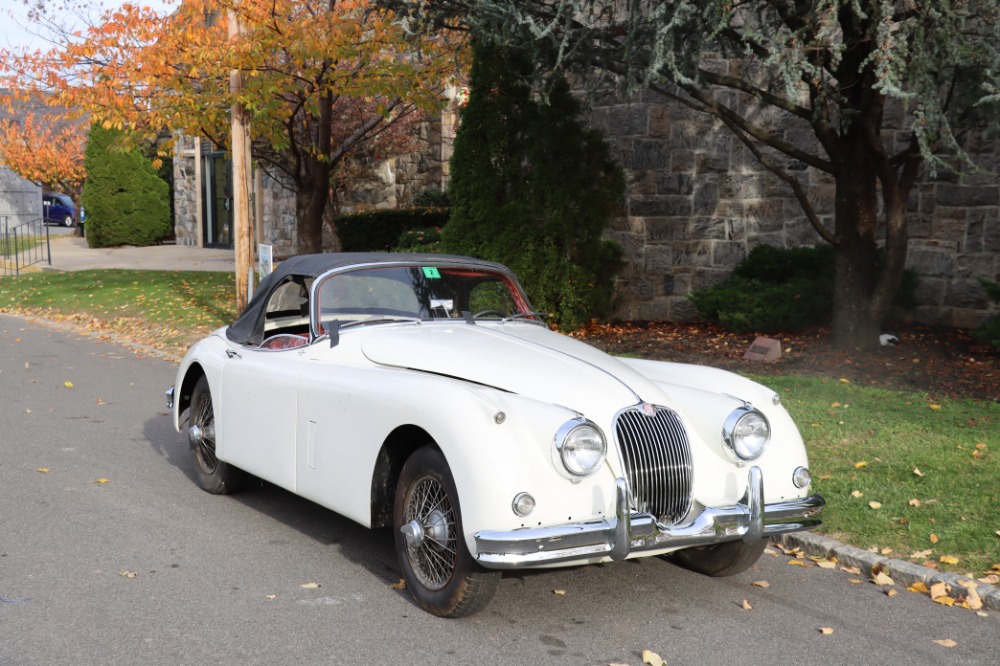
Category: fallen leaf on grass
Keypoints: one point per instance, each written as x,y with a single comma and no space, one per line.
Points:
760,583
746,605
991,579
859,465
857,493
947,642
653,659
309,586
875,505
399,585
934,538
948,559
934,406
915,502
917,472
826,631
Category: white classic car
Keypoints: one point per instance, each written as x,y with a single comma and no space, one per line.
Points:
422,392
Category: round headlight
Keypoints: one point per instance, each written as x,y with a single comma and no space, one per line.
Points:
581,447
746,433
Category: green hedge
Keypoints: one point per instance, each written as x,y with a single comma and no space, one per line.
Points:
127,203
381,230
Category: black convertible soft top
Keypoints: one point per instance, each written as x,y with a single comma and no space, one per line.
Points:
248,329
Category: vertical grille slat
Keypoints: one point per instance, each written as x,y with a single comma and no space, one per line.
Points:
657,459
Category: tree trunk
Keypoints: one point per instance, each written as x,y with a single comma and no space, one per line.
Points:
855,322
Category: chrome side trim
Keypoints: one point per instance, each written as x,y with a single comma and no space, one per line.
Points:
629,533
170,397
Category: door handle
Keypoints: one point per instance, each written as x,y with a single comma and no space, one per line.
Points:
232,353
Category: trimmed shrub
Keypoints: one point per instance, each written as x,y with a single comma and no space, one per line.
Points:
380,230
533,189
127,203
781,289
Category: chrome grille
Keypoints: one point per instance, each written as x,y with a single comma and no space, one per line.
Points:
657,459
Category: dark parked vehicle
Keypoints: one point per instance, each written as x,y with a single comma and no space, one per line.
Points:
58,209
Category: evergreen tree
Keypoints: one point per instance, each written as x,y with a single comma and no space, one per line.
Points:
533,189
809,83
127,203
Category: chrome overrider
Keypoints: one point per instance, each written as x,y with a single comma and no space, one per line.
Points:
633,532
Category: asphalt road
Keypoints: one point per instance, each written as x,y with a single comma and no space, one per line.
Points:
145,568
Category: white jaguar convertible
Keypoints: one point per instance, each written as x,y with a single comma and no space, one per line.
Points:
422,392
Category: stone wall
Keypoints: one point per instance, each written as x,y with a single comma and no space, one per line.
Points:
698,201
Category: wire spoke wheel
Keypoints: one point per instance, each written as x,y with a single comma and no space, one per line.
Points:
434,557
203,418
440,573
212,474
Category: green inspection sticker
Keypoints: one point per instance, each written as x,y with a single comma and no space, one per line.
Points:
431,273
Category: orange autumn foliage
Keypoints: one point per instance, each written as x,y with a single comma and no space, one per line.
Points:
323,80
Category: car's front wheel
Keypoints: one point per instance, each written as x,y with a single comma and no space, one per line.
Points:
440,573
212,474
68,221
723,559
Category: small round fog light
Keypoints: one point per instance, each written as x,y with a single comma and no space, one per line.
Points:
523,504
801,477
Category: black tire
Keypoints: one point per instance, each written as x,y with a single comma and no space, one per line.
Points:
440,573
211,474
723,559
68,221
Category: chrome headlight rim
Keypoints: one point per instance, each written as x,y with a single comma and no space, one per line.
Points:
566,448
740,445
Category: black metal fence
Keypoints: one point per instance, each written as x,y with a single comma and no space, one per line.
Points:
23,245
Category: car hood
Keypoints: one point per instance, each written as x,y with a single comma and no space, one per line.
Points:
520,358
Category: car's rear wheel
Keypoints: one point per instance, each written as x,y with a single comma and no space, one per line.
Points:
723,559
212,474
68,221
440,573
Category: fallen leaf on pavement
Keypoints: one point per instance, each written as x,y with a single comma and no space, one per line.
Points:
826,631
882,578
919,586
746,605
653,659
42,470
947,642
127,574
559,593
399,585
945,601
760,583
271,597
101,481
309,586
68,384
891,592
939,590
826,564
851,570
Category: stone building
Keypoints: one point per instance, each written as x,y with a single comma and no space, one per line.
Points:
202,186
698,202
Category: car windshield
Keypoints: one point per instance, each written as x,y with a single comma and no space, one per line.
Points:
421,293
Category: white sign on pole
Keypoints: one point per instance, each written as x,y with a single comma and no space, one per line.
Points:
265,263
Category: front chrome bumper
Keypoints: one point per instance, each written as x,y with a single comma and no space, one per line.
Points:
633,532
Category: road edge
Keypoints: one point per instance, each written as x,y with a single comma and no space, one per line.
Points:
901,571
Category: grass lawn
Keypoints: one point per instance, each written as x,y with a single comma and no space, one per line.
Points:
901,472
898,470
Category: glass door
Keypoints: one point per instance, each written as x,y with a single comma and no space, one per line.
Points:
216,201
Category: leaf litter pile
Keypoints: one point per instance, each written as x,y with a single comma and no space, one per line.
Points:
939,361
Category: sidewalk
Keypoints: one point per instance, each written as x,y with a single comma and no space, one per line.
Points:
71,253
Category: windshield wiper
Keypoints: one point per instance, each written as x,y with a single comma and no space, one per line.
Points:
532,317
336,326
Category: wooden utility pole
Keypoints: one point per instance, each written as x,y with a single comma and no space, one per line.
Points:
240,149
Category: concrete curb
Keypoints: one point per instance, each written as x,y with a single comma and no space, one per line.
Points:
903,572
